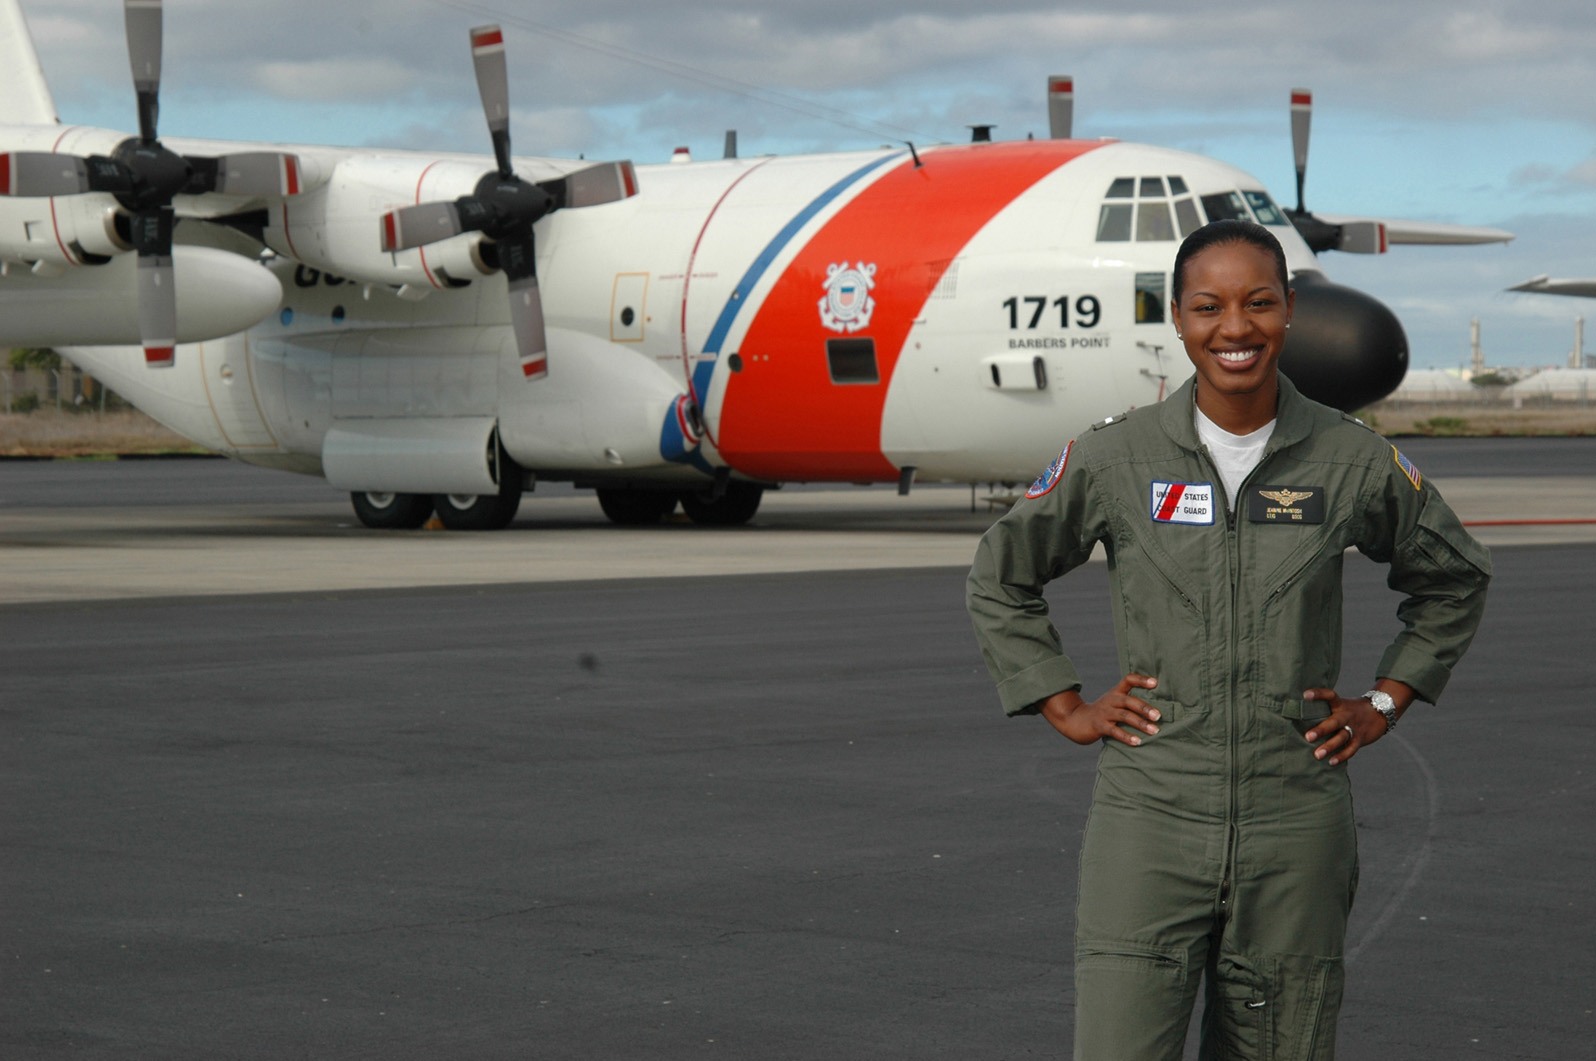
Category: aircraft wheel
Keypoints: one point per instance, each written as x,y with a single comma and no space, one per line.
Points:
391,511
636,508
733,508
477,511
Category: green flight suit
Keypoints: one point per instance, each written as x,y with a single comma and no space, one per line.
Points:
1221,844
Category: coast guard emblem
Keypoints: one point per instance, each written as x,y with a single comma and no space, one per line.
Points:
1049,479
847,305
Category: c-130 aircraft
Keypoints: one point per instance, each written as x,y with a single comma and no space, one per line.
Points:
686,334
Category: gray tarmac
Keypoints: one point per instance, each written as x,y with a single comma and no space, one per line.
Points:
765,814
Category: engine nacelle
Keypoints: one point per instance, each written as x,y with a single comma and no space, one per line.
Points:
456,262
63,231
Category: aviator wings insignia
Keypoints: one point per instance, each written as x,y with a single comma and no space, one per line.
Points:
1285,498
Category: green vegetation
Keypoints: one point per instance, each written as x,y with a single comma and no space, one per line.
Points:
1444,426
1490,379
39,357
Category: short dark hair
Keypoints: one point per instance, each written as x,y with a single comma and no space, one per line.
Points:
1228,231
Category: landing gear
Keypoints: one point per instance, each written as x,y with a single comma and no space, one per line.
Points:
636,508
732,508
392,511
477,511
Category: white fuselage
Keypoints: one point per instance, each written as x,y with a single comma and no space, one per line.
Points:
838,317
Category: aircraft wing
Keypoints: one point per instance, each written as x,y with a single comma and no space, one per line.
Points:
1545,285
1426,232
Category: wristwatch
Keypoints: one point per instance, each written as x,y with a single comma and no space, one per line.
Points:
1385,705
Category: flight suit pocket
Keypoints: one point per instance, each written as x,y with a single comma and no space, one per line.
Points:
1279,1007
1441,537
1131,999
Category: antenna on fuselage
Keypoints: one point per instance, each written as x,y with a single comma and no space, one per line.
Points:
913,152
731,144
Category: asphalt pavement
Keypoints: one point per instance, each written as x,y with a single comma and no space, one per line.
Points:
773,816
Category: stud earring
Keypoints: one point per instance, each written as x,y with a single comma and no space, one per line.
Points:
1288,324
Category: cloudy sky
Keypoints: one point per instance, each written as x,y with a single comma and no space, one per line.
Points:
1464,111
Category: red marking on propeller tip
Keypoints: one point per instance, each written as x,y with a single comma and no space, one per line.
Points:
1303,99
293,174
535,368
487,39
629,179
390,232
159,356
5,174
1062,85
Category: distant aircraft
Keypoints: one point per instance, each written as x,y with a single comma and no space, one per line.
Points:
690,334
1545,285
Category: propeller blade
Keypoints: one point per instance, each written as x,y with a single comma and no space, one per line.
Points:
1060,106
1301,116
606,182
143,19
416,226
40,173
518,259
152,237
252,173
526,319
493,84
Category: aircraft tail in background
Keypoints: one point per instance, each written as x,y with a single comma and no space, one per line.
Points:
24,96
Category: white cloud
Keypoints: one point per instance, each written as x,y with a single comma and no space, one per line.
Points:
323,79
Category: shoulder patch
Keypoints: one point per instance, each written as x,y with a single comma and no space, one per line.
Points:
1408,469
1049,478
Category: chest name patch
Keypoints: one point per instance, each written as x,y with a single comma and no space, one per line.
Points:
1285,504
1183,503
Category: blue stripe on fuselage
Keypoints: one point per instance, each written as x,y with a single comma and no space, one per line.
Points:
739,296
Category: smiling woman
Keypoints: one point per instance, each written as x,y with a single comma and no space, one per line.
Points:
1221,846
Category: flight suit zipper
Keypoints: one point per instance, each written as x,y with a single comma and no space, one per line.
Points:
1232,659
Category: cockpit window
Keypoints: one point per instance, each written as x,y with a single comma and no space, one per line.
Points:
1114,223
1152,222
1152,187
1226,206
1268,213
1122,188
1177,186
1186,215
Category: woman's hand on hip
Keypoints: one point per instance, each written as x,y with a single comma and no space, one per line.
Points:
1352,724
1086,722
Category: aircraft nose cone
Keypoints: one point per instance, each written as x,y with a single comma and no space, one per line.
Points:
1345,349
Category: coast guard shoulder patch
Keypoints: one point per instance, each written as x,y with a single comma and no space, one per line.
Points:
1408,469
1183,503
1049,479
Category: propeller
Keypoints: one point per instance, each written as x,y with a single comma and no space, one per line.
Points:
145,176
1060,106
505,208
1358,237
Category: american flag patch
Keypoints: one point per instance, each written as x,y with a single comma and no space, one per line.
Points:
1408,469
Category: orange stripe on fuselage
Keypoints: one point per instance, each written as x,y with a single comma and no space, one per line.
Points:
783,419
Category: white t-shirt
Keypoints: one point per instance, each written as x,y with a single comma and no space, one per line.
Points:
1234,455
